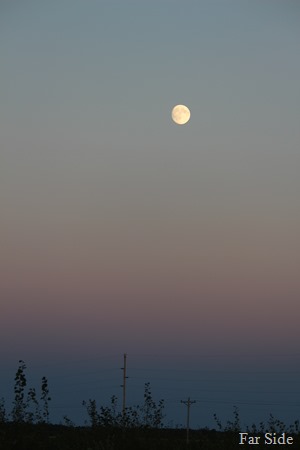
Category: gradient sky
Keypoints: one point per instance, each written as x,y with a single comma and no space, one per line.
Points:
123,232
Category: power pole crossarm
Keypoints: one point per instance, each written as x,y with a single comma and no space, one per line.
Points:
188,403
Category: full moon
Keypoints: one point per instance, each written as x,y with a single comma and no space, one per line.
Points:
181,114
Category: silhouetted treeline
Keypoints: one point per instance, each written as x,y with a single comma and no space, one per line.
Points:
28,427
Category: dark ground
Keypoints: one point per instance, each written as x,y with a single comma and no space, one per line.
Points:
60,437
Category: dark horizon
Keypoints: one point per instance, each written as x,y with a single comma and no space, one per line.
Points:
256,393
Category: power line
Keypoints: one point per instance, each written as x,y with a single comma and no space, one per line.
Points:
205,371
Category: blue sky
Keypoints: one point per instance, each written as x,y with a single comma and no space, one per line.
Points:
122,232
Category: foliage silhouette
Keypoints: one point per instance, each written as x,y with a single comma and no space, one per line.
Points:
28,409
150,415
2,411
141,427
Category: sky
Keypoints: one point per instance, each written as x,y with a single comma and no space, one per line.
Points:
122,232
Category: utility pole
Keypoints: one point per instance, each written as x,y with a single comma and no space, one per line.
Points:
124,386
188,403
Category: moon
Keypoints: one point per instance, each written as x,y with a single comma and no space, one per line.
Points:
181,114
